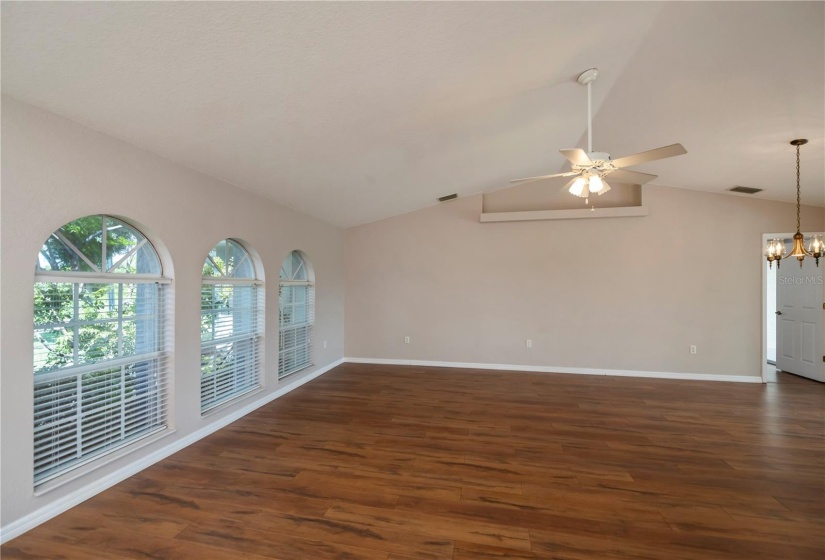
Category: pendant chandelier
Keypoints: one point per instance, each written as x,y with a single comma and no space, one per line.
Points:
775,249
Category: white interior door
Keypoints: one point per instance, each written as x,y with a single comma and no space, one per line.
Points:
800,343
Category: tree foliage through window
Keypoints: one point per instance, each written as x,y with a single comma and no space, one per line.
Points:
231,325
98,342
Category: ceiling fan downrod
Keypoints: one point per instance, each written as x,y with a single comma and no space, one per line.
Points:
587,78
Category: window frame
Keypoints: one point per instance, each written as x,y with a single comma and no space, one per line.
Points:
228,385
92,391
305,329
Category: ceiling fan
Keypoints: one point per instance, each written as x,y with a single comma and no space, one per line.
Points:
590,168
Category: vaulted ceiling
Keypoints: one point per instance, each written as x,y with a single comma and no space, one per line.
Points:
353,112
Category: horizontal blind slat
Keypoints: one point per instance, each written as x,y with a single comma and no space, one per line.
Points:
231,340
297,317
104,391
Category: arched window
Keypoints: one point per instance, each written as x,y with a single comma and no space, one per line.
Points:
100,346
231,325
296,310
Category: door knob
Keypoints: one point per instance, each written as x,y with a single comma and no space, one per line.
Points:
778,312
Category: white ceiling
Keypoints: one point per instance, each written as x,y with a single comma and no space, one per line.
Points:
353,112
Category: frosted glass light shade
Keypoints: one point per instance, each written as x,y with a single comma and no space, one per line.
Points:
577,188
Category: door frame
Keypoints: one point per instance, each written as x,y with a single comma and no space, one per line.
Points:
768,370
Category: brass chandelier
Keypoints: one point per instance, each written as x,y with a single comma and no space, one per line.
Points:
775,249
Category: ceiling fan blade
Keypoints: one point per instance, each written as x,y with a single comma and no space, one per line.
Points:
577,156
527,179
650,155
630,177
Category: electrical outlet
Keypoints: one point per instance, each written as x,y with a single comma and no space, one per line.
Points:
325,344
692,348
406,340
529,343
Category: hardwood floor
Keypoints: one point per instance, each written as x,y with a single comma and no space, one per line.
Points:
390,462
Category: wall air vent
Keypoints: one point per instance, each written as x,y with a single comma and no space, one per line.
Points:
448,197
745,190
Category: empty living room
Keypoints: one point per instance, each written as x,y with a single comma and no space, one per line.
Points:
412,280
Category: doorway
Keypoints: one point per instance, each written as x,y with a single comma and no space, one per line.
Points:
793,312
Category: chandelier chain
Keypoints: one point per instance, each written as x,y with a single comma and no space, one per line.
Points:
798,223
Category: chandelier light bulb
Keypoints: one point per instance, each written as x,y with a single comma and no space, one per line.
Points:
817,244
774,248
817,247
775,251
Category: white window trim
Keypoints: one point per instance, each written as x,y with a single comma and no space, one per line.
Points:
308,326
255,336
105,454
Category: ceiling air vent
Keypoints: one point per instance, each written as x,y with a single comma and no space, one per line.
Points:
448,197
745,190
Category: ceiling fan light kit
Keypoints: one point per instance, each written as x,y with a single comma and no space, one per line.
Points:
590,168
586,185
775,249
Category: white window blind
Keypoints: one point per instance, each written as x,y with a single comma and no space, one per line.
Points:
101,352
296,302
231,326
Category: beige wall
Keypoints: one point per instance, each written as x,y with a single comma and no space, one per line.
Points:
615,293
54,171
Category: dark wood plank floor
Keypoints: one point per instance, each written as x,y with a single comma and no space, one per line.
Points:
385,462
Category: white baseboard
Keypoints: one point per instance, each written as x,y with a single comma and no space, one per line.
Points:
563,369
32,520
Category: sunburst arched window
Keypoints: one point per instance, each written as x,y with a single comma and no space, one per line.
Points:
231,325
100,346
296,310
